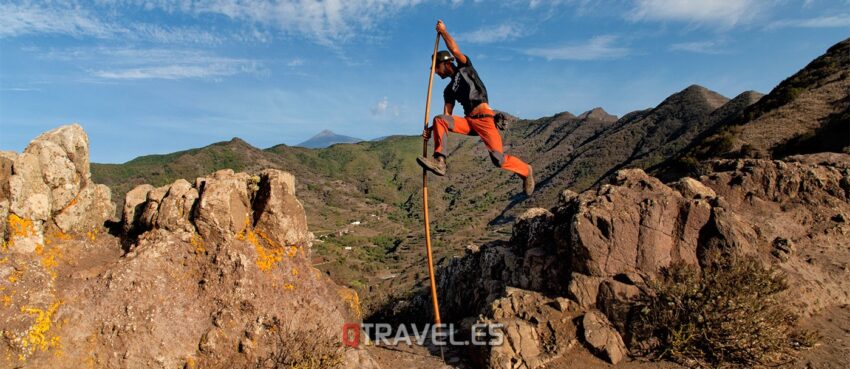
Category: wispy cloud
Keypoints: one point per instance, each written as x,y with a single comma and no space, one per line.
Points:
500,33
725,13
699,47
324,22
22,19
73,20
600,47
830,21
155,63
383,107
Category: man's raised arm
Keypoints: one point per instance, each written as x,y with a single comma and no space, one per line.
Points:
450,43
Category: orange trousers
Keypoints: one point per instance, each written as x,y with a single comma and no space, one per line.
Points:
483,127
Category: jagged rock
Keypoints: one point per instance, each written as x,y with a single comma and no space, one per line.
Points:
49,184
692,189
134,206
92,206
29,195
277,211
536,330
584,289
224,207
601,336
150,209
783,248
838,160
638,224
613,300
175,207
7,159
533,229
73,141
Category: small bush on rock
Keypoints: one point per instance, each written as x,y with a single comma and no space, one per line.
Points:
725,315
315,348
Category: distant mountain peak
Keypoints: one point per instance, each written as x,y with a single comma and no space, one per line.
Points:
597,114
327,138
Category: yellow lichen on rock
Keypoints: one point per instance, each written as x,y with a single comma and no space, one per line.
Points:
352,300
37,336
198,244
267,256
49,258
19,228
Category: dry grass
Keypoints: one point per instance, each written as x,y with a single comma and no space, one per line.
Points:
725,315
313,348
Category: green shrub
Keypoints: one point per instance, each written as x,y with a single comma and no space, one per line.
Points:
725,315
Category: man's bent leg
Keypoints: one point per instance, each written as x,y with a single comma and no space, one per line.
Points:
489,134
444,124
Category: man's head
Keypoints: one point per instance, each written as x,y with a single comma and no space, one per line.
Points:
444,66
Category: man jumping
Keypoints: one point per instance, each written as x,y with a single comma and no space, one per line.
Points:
466,87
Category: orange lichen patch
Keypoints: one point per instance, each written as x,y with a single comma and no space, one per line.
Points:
190,363
19,228
352,300
49,258
294,272
269,252
37,336
293,250
288,287
198,244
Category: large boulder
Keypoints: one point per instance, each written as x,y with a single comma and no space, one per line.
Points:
277,211
224,206
635,224
601,336
535,330
134,202
49,185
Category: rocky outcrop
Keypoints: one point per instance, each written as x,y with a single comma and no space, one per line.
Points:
600,248
210,274
536,330
48,186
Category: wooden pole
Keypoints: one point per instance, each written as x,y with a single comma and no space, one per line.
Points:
425,190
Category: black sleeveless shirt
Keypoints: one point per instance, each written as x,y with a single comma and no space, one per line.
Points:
466,88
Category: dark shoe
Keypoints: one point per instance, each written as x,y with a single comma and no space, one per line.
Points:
435,165
528,182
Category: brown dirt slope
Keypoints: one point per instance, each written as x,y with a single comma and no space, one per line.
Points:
808,112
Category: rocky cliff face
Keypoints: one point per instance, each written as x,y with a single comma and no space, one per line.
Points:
582,260
214,273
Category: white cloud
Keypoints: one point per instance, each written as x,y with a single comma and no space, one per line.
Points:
384,107
326,22
132,63
504,32
22,19
599,47
699,47
831,21
297,62
726,13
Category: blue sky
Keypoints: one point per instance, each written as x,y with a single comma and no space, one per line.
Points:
157,76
